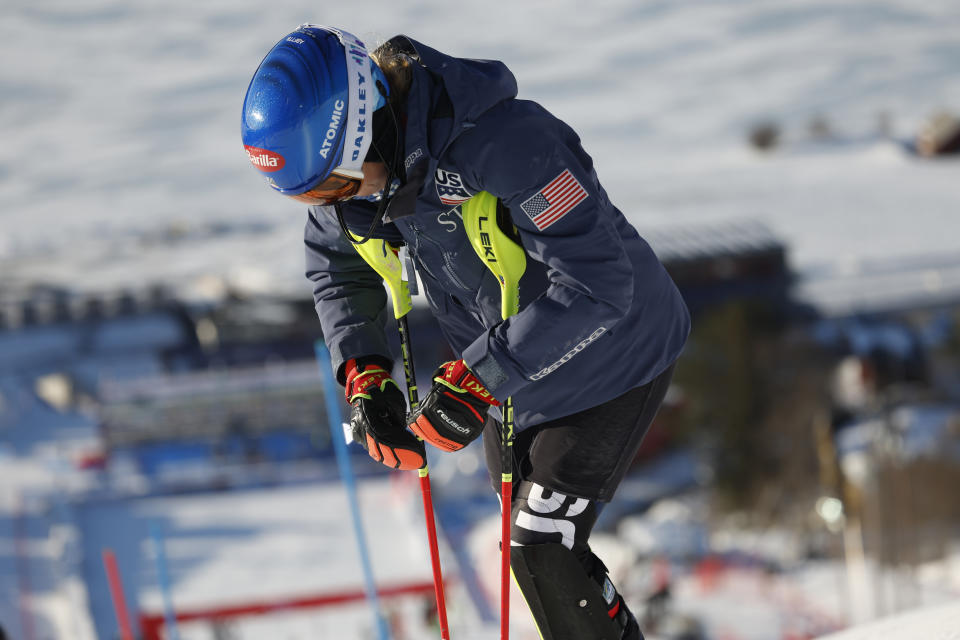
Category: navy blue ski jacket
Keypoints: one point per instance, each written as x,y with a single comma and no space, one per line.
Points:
598,313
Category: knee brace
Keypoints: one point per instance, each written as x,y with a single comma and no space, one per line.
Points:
541,516
563,582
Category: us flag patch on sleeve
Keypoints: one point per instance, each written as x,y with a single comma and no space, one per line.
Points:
555,200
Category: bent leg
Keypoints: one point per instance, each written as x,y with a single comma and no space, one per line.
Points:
564,470
563,582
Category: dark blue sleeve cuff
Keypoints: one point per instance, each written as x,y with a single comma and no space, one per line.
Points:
497,375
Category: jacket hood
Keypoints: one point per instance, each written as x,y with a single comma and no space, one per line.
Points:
472,86
447,96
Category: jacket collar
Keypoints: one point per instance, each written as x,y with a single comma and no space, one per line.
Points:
429,117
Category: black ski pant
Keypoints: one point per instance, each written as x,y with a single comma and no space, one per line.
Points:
586,454
564,470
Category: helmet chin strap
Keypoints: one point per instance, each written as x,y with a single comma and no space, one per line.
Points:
393,172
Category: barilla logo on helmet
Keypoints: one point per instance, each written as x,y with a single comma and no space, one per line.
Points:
264,159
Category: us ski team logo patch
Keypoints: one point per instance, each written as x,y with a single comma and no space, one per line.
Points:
450,188
555,200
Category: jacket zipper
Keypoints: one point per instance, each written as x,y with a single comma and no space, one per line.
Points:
448,264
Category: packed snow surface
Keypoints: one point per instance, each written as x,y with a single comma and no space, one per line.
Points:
932,623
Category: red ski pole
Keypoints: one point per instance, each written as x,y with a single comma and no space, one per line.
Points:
116,594
497,243
384,260
424,474
506,510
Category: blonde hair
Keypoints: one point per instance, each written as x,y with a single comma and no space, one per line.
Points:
397,67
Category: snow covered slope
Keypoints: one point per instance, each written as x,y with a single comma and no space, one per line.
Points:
936,623
254,547
122,162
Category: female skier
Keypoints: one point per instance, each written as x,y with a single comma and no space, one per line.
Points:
389,145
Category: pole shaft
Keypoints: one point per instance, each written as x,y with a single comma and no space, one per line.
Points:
506,510
408,370
163,576
425,492
116,594
506,488
434,554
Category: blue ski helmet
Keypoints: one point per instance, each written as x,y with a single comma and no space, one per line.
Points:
309,108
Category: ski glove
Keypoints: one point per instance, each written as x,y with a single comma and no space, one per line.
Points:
453,413
378,417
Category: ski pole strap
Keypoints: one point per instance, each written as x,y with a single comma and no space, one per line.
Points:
496,242
383,258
